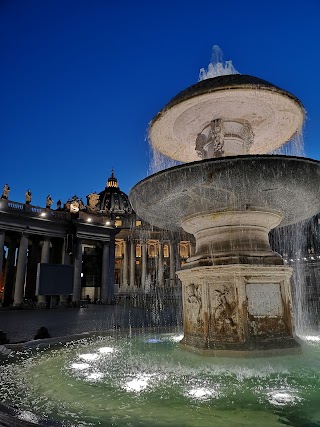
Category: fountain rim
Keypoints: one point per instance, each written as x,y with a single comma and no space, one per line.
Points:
221,83
223,160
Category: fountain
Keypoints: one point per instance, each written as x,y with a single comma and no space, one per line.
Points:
236,290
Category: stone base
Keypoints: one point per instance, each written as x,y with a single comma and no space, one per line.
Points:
292,348
237,309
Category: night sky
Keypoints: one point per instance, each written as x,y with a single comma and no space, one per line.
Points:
81,80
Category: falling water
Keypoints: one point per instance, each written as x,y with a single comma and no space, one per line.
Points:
298,244
294,147
217,66
158,161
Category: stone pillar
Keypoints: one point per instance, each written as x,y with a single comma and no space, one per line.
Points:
45,252
65,259
33,259
125,264
160,266
9,275
45,258
111,269
132,263
172,269
144,260
76,296
21,271
105,273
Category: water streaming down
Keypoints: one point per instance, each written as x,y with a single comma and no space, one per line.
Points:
158,161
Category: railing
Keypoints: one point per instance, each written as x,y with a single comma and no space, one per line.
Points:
16,206
36,211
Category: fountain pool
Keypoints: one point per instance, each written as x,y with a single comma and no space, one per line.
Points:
147,379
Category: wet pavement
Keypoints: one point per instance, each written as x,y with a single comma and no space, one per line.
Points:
22,325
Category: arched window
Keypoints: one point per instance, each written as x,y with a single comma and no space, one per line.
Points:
152,250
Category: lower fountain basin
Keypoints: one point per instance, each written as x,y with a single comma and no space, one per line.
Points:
146,379
287,185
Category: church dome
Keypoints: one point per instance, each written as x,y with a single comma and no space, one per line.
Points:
112,199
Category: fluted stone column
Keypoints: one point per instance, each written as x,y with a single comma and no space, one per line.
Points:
105,273
76,296
125,264
45,258
9,275
172,269
21,271
160,266
143,263
132,263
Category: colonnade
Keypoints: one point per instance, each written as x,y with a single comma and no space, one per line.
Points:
135,255
25,251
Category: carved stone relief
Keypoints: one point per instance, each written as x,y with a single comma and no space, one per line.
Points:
223,313
193,314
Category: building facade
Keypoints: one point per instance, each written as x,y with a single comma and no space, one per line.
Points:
113,253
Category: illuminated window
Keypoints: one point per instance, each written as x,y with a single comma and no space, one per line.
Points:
118,223
118,250
138,251
138,223
184,249
166,251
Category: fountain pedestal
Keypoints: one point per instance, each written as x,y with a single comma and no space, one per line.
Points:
236,291
235,309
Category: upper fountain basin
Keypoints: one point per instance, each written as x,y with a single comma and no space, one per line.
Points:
273,115
287,185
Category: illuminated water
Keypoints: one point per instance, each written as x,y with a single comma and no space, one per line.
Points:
148,380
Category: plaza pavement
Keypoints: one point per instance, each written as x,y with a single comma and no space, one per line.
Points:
22,325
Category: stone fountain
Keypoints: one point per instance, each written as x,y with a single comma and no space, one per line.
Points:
236,290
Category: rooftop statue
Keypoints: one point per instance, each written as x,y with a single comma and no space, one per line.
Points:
28,197
6,191
92,201
49,201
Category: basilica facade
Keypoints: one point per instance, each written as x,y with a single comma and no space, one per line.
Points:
110,251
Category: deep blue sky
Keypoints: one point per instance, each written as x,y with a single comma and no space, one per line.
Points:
80,80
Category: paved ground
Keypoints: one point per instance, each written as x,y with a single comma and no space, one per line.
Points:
22,325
